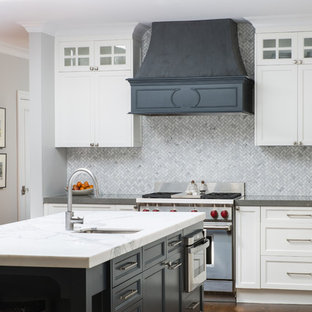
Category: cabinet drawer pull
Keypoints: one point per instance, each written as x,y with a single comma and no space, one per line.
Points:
290,215
174,243
301,274
128,266
297,240
193,306
130,294
174,266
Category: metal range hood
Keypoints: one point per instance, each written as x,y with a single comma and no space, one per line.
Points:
192,67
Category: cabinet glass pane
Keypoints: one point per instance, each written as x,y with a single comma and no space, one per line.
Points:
284,54
107,60
69,62
106,50
70,51
83,51
284,43
119,60
269,55
308,53
83,61
308,42
120,49
269,43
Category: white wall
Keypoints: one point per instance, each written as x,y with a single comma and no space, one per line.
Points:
48,164
13,77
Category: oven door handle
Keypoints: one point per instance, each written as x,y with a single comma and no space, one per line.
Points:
227,228
204,245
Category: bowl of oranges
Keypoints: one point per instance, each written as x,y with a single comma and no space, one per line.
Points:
82,188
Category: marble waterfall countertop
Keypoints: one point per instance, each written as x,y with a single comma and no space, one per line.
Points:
44,242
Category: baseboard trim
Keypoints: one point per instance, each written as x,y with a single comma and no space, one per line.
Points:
274,296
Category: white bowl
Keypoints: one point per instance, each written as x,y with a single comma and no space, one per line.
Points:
81,192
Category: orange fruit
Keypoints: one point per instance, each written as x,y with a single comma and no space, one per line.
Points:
86,184
79,184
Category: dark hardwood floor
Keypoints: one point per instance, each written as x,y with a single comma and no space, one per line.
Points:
248,307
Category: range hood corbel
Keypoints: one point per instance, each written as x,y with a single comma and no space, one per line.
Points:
192,67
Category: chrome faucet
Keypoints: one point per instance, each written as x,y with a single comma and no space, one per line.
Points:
70,220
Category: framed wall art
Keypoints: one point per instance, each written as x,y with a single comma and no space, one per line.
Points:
3,170
2,127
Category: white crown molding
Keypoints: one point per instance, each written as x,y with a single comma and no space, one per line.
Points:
13,50
38,28
281,23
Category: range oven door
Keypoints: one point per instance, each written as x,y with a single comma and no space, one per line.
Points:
219,259
196,264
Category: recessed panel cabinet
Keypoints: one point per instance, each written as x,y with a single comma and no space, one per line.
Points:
93,97
283,95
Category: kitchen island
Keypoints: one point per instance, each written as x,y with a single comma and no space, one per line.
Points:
85,272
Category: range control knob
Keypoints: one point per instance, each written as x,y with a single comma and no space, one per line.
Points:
155,210
224,214
194,210
145,210
173,210
214,214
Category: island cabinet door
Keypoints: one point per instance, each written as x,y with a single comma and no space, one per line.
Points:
173,283
154,288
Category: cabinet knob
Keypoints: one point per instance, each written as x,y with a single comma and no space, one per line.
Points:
295,61
96,68
97,144
295,143
300,143
91,144
91,68
299,62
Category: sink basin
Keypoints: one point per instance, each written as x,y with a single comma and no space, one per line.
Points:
95,230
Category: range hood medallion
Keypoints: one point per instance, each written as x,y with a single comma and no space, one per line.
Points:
192,67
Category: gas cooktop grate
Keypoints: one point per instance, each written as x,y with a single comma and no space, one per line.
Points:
220,195
159,195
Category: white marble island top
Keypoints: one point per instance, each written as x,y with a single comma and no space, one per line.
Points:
44,242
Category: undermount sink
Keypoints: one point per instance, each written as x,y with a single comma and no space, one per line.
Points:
95,230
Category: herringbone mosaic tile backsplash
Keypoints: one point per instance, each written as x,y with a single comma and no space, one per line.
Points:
214,147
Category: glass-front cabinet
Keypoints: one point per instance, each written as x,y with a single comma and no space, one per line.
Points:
112,55
94,55
76,56
305,47
277,48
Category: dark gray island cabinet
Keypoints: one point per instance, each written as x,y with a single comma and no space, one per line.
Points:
147,279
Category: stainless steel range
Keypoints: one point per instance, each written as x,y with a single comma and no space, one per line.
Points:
217,201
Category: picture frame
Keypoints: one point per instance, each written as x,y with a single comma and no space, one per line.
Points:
3,170
2,127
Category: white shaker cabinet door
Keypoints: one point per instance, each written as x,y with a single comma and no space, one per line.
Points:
114,124
247,247
74,104
305,104
276,105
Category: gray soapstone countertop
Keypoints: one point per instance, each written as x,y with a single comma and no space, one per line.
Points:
104,199
275,200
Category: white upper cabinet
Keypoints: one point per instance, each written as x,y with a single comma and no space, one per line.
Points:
95,55
283,88
92,95
277,48
276,105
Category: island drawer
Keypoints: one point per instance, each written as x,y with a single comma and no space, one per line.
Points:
126,266
191,301
278,241
286,215
154,253
137,307
127,294
174,243
294,273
